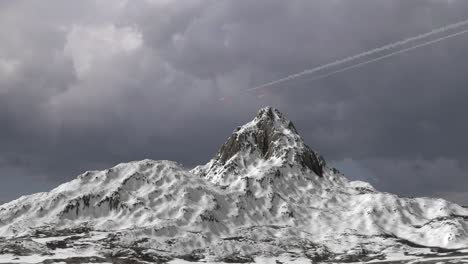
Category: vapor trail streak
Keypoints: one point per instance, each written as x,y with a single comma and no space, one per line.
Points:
388,55
363,54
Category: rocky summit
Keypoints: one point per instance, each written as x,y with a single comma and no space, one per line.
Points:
265,197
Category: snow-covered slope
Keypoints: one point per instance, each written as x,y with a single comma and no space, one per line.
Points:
264,193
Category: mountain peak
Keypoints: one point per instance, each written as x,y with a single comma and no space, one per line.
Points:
269,137
262,134
272,117
269,112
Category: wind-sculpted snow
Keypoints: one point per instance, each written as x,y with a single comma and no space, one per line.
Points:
265,193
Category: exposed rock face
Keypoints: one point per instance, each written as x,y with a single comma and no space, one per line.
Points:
265,135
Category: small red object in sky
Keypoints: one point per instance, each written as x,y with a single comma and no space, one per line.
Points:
225,99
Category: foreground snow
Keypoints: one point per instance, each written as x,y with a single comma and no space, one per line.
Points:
265,197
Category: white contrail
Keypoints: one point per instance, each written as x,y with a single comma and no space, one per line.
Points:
363,54
388,55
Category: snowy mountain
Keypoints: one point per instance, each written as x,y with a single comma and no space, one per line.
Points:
265,196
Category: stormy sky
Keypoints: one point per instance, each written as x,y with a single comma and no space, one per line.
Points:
88,84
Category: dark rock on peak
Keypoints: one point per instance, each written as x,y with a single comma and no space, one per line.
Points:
269,135
269,115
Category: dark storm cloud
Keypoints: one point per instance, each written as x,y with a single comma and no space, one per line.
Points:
88,84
